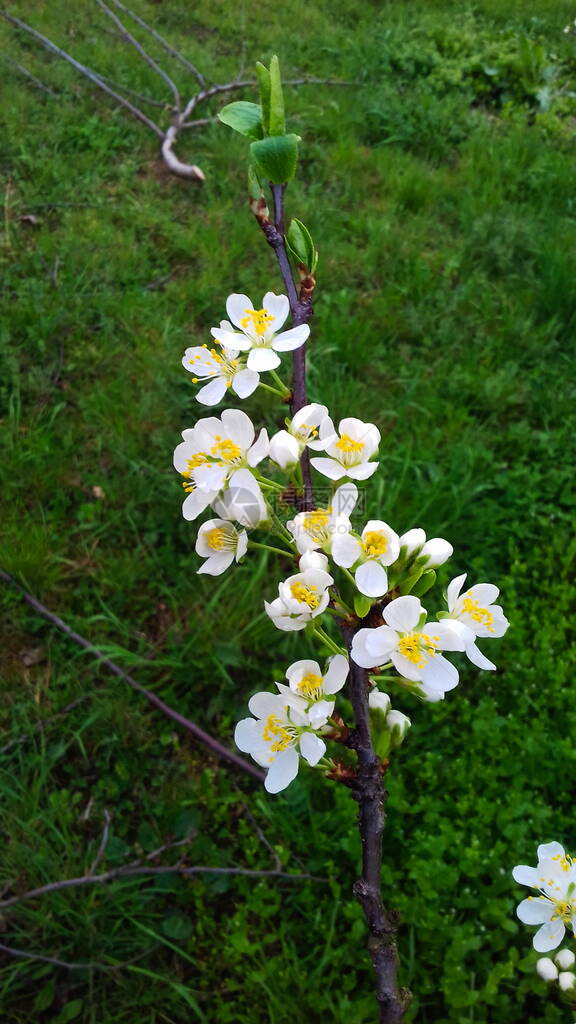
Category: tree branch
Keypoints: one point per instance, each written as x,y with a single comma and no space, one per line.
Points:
368,790
209,741
140,49
163,42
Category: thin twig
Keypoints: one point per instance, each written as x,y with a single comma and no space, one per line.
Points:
21,953
95,78
103,843
141,869
218,748
163,42
28,74
143,53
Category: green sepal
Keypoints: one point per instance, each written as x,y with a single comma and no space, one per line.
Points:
362,605
255,190
243,117
263,76
277,121
427,580
300,243
407,586
276,157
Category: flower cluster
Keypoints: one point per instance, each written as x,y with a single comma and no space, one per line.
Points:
368,575
554,906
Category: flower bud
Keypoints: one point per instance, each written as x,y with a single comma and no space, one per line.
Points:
313,560
436,551
398,725
566,980
565,959
412,541
284,449
546,969
378,701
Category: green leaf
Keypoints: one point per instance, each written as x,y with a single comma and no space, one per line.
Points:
263,76
277,124
362,605
254,186
45,997
276,157
427,580
177,927
301,246
407,586
69,1012
242,117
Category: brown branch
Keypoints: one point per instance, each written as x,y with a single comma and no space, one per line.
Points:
143,53
32,78
368,790
92,75
103,843
209,741
22,954
141,869
163,42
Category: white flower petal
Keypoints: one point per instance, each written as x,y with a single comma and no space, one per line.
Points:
261,359
371,579
236,306
196,502
403,613
362,471
213,392
546,851
525,875
345,550
312,747
216,564
278,307
329,467
283,771
439,673
548,936
245,382
336,674
247,735
535,911
453,591
259,449
474,654
289,340
239,342
284,449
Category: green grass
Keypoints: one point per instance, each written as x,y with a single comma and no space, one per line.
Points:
441,197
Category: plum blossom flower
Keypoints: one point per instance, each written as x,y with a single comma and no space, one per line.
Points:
300,599
377,547
241,500
222,370
432,553
554,908
212,451
259,330
348,450
474,614
320,527
565,959
220,543
413,649
286,446
277,737
546,968
310,685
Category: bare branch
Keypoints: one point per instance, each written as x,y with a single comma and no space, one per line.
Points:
173,163
103,843
36,81
217,748
161,104
140,49
141,869
163,42
21,953
92,75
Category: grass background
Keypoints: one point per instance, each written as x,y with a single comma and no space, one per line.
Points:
440,192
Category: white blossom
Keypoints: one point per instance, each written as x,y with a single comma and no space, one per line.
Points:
435,551
241,500
259,330
554,879
565,959
222,370
566,980
474,614
546,969
309,684
300,599
377,547
379,701
286,446
413,650
320,527
277,737
212,451
312,560
220,543
348,454
398,723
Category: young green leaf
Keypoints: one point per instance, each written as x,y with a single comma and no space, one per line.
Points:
362,605
427,580
276,157
263,76
301,245
243,117
277,116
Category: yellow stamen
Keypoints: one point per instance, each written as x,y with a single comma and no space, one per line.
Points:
310,685
260,318
275,727
305,594
416,646
348,444
478,614
374,544
226,450
216,538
